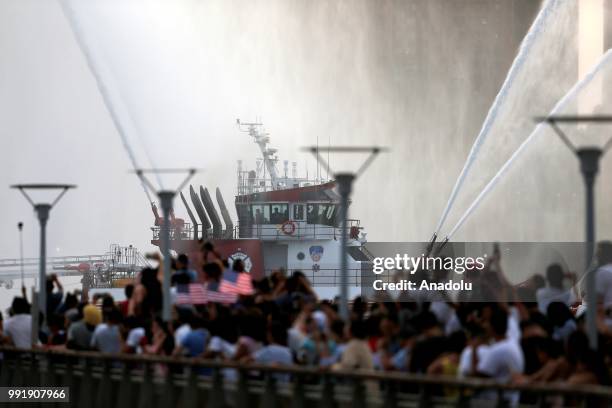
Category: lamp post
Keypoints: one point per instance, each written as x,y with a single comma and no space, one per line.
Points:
42,212
345,185
20,228
588,157
166,197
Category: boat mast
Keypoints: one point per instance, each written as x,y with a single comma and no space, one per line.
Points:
268,153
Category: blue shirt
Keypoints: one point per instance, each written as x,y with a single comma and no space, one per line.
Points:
275,354
195,342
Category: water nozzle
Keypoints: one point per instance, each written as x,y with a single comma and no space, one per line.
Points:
442,245
431,243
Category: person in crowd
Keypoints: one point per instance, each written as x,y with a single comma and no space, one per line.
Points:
357,353
554,292
107,336
135,335
522,334
18,327
195,341
276,351
125,304
603,277
182,267
162,341
80,333
54,297
147,297
504,356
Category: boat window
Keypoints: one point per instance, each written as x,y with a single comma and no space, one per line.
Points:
322,214
261,214
298,212
279,214
312,213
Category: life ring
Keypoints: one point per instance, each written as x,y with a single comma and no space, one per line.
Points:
288,227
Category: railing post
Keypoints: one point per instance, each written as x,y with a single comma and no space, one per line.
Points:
5,369
501,402
328,399
216,396
390,395
190,393
125,387
424,397
168,399
462,399
359,395
147,389
299,398
243,397
85,387
105,389
269,399
33,376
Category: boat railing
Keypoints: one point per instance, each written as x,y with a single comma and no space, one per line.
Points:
289,230
321,277
295,230
184,232
92,379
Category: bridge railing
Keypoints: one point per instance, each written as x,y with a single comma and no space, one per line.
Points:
107,380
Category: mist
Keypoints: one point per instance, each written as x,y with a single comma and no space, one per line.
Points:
418,77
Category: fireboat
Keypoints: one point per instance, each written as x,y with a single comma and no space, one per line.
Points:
284,222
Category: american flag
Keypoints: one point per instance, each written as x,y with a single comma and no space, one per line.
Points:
190,294
238,283
199,294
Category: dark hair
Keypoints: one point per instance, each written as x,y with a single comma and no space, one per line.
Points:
278,332
554,275
558,313
115,316
182,258
455,343
20,306
604,252
128,290
238,265
499,321
337,327
49,284
71,301
213,270
358,329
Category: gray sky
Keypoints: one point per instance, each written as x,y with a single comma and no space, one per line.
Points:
416,76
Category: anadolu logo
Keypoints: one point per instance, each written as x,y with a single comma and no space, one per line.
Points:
243,257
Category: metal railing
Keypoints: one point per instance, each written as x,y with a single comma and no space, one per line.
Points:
107,380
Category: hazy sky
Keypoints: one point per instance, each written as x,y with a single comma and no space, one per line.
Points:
416,76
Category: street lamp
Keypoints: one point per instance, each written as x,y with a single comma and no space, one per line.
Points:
345,181
166,197
42,211
589,157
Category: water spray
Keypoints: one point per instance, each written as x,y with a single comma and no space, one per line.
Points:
99,71
518,62
579,86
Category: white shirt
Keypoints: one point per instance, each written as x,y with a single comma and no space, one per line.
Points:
134,337
181,332
501,360
465,360
19,329
547,295
603,283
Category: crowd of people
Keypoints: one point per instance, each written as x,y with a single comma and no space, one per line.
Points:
534,333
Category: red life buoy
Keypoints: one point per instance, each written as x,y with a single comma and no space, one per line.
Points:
288,227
